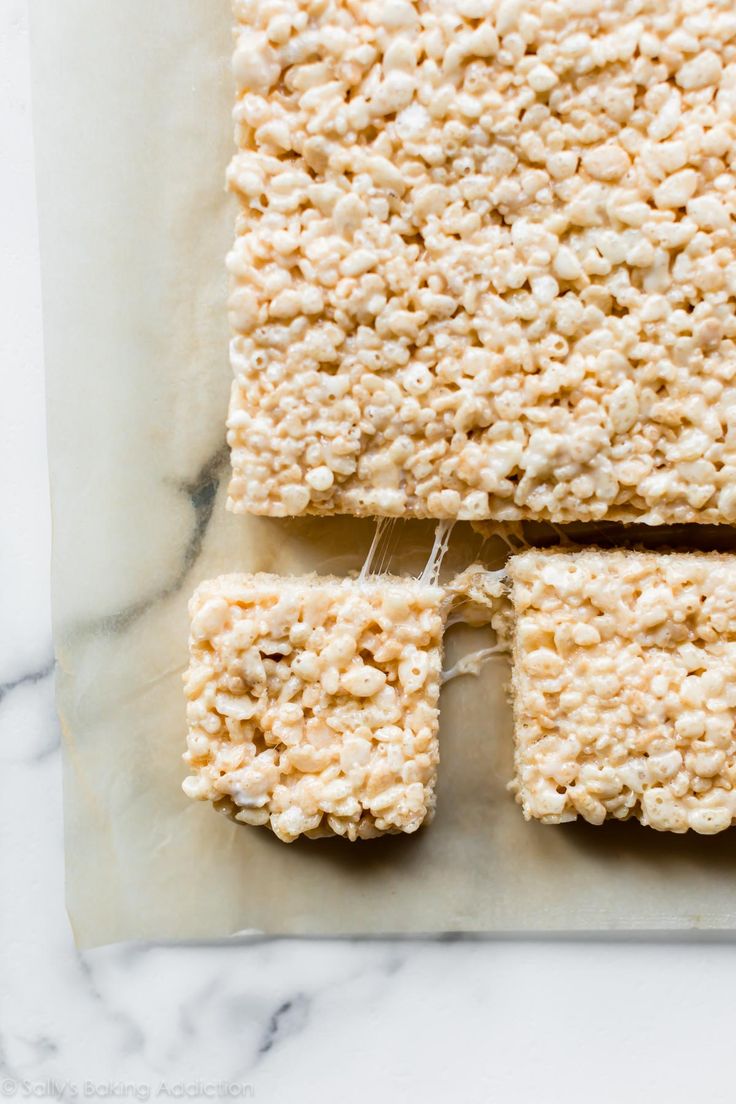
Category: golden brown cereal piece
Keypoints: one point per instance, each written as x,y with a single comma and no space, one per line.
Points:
312,702
485,265
624,684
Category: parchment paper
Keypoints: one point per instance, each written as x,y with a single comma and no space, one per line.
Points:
132,104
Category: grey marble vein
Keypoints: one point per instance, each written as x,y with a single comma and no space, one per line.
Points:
30,678
289,1019
131,1038
202,493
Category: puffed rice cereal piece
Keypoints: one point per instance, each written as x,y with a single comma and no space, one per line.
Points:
624,684
485,265
312,703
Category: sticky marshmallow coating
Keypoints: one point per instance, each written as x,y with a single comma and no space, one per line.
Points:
312,703
485,265
624,684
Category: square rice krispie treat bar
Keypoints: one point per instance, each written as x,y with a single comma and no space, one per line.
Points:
312,702
485,265
624,684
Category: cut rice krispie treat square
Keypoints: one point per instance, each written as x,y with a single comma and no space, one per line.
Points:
624,682
485,265
312,702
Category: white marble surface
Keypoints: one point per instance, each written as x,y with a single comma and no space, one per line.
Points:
275,1020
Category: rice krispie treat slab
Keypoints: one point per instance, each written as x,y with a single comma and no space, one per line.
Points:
624,683
486,264
312,702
